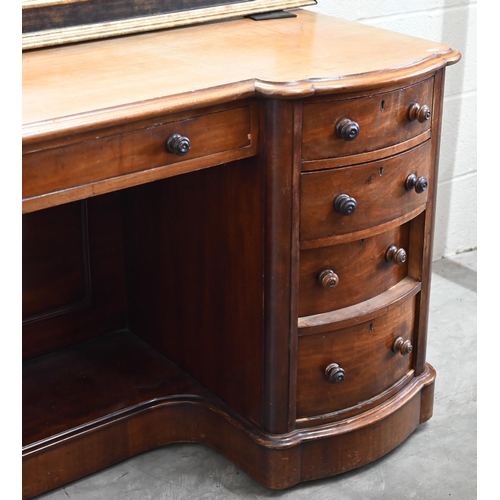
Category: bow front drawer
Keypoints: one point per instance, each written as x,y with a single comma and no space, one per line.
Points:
342,370
346,200
341,275
356,125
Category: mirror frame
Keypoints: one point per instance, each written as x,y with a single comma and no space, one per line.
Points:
55,22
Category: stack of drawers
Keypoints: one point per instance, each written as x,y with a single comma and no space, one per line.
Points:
366,169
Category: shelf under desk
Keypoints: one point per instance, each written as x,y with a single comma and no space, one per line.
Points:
82,387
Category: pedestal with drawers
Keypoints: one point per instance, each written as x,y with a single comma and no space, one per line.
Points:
233,253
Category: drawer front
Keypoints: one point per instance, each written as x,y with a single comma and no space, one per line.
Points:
143,149
383,120
339,276
365,354
378,190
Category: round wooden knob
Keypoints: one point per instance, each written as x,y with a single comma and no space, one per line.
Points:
396,255
345,204
418,183
404,347
347,129
328,279
421,185
178,144
334,373
419,113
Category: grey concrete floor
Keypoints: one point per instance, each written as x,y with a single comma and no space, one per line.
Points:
438,461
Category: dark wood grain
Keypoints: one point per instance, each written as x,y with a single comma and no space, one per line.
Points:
362,270
425,244
281,251
195,267
378,187
93,380
365,445
58,239
73,268
103,158
365,353
382,118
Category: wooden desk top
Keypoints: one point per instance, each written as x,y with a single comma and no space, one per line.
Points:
72,88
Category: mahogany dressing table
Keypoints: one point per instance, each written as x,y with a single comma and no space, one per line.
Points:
227,239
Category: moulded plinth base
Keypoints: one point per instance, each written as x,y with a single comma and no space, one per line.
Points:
276,461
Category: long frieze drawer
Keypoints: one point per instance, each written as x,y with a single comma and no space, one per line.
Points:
346,127
341,275
165,144
345,200
342,369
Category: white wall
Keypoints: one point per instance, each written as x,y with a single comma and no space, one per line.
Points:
454,23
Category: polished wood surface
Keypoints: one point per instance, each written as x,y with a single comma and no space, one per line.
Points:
383,120
361,267
106,364
93,160
365,353
378,188
130,78
235,251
